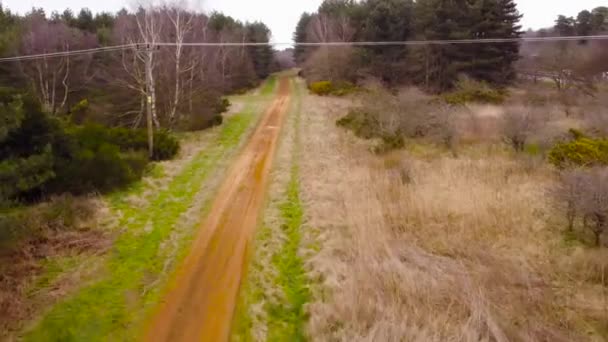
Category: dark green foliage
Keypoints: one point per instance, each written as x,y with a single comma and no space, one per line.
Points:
494,63
565,26
41,155
584,26
321,88
599,20
361,123
339,88
29,140
301,53
586,23
366,126
166,146
468,91
22,175
222,106
78,112
98,166
262,56
583,151
9,43
385,21
436,67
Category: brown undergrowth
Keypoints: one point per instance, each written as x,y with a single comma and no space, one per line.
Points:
423,245
39,241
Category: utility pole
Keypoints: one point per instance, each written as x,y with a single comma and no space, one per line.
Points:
148,49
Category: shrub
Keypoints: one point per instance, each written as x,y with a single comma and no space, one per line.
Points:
42,155
473,91
166,146
580,152
363,124
340,88
60,213
100,167
222,106
517,124
321,88
392,118
78,112
584,193
29,142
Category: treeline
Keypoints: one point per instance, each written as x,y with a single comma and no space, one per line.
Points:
433,67
586,23
575,67
74,123
188,81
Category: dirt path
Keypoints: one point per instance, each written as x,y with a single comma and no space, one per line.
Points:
201,302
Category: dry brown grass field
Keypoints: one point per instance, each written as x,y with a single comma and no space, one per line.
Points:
423,244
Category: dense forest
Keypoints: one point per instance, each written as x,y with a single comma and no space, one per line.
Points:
64,114
433,67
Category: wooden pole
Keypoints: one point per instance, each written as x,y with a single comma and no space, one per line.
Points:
148,64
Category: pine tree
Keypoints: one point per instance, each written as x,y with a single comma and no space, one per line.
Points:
565,26
26,133
584,24
388,20
443,20
479,19
301,53
262,56
599,20
494,63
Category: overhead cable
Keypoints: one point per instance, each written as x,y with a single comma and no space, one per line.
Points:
311,44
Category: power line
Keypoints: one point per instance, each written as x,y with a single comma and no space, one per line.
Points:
311,44
406,42
67,53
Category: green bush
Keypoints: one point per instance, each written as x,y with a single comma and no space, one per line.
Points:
468,91
580,152
363,124
41,155
30,140
100,168
321,88
166,146
324,88
222,106
78,112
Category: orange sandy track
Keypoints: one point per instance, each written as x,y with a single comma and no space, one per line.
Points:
200,305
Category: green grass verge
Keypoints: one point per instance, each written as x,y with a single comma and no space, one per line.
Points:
287,317
112,308
269,85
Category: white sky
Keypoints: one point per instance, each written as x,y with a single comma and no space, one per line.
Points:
282,15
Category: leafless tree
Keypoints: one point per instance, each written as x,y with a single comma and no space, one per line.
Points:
150,26
584,193
567,194
54,78
182,23
330,63
518,123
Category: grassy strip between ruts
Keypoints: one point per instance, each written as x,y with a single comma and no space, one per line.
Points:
286,318
284,314
269,85
112,307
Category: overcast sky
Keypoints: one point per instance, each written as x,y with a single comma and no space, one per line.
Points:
282,15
